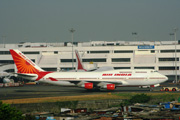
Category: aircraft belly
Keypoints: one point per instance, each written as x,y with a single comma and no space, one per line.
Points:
61,83
136,82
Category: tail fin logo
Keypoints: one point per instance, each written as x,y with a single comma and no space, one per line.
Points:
24,64
80,66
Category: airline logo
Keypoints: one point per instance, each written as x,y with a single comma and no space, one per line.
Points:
23,64
118,74
107,74
123,74
26,59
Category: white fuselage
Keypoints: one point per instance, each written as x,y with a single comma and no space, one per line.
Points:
106,79
118,77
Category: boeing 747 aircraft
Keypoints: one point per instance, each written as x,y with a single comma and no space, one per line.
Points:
109,79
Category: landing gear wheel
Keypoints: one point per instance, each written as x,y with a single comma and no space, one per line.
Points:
174,89
151,89
166,89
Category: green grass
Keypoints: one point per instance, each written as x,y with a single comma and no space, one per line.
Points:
155,98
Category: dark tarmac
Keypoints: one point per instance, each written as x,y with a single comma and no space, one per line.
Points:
37,91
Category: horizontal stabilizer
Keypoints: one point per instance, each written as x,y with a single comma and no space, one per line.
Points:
27,76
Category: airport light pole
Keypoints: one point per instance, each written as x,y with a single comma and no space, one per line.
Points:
4,39
135,33
171,36
175,30
72,36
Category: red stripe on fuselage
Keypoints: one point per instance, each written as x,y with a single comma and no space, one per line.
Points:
41,75
52,79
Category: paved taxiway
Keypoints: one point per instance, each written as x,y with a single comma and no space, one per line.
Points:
36,91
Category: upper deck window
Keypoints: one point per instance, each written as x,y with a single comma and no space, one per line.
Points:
141,72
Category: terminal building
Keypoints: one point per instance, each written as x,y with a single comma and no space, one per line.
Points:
162,56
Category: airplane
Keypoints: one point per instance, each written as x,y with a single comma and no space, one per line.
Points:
5,77
109,79
80,66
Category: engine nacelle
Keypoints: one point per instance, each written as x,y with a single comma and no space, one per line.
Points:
6,80
108,86
88,85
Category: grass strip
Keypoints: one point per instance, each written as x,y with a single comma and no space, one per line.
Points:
156,97
63,98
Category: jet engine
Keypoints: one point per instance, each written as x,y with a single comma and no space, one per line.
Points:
108,86
88,85
6,80
85,85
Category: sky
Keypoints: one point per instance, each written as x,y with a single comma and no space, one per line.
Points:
92,20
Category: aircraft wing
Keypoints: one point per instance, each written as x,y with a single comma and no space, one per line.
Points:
105,68
97,83
90,84
27,76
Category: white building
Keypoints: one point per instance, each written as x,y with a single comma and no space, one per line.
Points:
120,55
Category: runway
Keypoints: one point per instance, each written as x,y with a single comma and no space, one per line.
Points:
36,91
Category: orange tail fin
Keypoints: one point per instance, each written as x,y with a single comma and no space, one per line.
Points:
23,63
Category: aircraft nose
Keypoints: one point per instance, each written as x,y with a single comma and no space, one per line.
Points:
165,78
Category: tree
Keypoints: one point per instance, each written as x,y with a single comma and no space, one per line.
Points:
140,98
9,113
